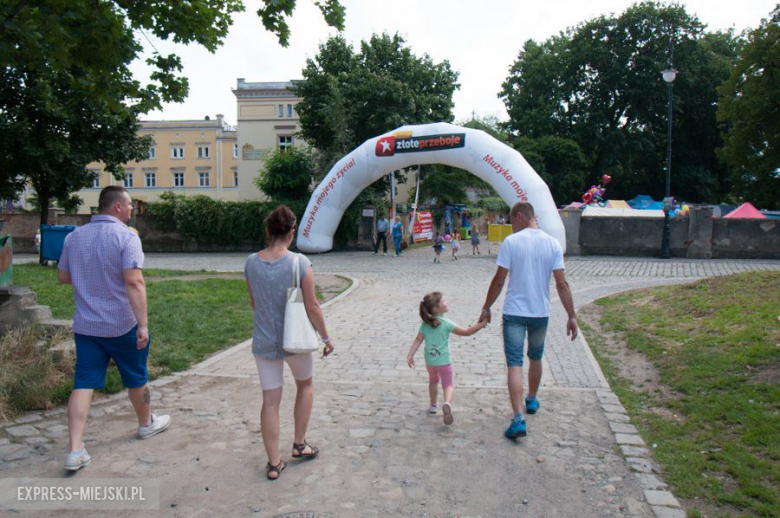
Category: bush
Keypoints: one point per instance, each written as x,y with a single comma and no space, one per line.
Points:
494,204
204,220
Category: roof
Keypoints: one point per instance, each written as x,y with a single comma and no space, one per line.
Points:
745,211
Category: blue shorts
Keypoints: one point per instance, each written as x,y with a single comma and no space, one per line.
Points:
94,352
515,329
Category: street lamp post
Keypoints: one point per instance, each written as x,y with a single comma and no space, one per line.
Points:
669,76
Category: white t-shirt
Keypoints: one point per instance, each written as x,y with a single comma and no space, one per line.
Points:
530,255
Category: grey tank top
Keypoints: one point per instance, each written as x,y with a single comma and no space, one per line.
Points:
269,281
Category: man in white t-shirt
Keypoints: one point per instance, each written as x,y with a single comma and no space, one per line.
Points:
530,257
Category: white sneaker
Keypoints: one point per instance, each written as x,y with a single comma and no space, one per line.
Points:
433,409
159,424
384,253
77,459
446,409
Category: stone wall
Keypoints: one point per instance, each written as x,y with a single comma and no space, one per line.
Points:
699,236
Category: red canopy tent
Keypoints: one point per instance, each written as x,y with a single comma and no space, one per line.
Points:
745,211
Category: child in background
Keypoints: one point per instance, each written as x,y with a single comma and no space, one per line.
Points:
474,239
455,245
435,331
438,246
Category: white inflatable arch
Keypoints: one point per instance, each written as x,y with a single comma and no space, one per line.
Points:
473,150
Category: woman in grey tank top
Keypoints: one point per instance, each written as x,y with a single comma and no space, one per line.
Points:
268,276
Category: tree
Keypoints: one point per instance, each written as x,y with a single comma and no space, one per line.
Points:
350,97
560,162
386,85
749,113
67,96
287,177
599,85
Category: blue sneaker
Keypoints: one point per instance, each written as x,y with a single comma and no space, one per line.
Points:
516,429
531,405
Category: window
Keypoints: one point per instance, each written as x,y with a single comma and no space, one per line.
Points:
235,150
203,179
96,179
203,151
281,110
178,179
235,178
177,152
152,152
128,180
289,110
285,142
151,179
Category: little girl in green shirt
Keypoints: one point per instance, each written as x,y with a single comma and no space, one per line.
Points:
435,331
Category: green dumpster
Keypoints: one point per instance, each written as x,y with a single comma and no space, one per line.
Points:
6,261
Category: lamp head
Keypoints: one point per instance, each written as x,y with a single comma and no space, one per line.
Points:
670,74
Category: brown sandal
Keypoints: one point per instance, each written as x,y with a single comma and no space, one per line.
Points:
269,468
299,449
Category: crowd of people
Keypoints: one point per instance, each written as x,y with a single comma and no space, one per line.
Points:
103,260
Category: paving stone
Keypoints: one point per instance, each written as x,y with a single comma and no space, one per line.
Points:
623,428
661,498
629,438
57,431
617,418
634,451
614,409
648,481
19,454
640,465
22,431
668,512
29,418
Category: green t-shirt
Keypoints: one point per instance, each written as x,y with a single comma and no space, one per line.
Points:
437,341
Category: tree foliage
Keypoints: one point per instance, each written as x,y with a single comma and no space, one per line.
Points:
67,96
560,162
351,96
749,112
287,178
599,86
375,90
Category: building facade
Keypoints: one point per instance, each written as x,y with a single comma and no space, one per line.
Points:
266,120
187,157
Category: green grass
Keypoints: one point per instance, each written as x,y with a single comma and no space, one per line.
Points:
188,321
715,345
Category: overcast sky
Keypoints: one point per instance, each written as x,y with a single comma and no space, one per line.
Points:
480,39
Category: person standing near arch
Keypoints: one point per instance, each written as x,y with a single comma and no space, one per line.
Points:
529,256
382,226
398,232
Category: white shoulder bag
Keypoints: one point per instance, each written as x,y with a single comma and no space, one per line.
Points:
299,334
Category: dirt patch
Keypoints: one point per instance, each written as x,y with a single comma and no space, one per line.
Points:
329,285
631,365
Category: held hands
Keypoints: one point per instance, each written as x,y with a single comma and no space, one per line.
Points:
485,316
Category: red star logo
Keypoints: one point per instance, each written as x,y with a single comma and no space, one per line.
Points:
385,146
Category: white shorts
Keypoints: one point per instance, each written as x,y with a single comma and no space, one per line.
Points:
271,371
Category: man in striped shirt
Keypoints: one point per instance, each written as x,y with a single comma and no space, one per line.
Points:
103,260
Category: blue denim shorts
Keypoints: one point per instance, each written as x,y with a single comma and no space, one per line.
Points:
515,329
94,352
